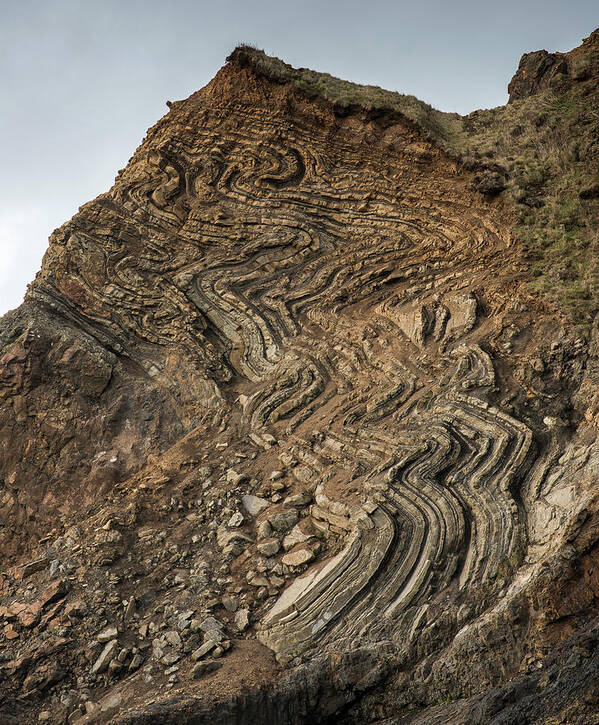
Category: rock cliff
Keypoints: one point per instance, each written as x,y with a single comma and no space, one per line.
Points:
288,434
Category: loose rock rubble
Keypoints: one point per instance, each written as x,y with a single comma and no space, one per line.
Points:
283,430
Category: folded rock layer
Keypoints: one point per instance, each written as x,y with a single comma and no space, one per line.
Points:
289,434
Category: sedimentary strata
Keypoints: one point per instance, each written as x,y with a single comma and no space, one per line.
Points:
281,405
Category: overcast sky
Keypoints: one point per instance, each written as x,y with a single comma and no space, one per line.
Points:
81,81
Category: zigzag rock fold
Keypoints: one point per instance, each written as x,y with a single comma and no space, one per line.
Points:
284,434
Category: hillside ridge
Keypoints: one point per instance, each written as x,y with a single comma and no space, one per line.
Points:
298,421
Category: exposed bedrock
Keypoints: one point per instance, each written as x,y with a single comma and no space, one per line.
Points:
281,408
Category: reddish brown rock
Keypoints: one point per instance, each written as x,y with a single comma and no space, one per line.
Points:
294,275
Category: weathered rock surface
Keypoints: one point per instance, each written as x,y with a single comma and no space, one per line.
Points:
541,70
286,437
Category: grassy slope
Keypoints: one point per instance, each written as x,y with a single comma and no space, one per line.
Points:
544,149
547,146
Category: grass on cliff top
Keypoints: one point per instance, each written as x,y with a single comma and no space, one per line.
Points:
441,126
544,149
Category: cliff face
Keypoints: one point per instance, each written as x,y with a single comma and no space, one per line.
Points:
286,434
542,70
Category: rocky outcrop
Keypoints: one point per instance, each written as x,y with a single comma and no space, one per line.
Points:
286,435
542,70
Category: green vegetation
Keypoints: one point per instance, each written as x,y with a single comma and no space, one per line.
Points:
344,94
544,150
547,148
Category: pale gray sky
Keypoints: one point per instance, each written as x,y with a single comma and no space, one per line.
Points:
81,81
